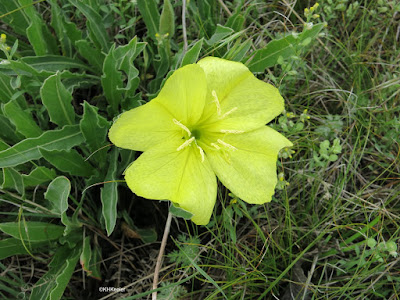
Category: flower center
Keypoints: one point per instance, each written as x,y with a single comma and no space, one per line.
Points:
193,136
196,134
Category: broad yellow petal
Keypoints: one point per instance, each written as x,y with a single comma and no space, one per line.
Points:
143,127
249,169
184,94
163,173
245,102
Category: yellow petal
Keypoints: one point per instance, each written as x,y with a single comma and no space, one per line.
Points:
249,171
184,94
163,173
143,127
246,103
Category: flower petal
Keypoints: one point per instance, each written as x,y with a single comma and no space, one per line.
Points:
184,94
163,173
246,103
143,127
249,171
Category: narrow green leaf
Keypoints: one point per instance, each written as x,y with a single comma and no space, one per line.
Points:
220,33
27,150
68,161
22,120
284,47
239,50
54,63
38,176
95,24
17,20
86,255
167,20
93,55
149,11
8,131
58,23
6,91
12,246
57,100
180,212
57,194
111,81
52,284
12,180
109,194
32,231
94,128
192,55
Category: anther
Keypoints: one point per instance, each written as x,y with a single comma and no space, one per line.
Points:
214,94
185,144
176,122
215,146
231,131
229,146
201,153
228,113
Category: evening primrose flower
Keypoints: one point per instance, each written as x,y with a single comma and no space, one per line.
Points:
208,120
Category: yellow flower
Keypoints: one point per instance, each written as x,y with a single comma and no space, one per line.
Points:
208,120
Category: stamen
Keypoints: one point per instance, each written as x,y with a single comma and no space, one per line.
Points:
214,94
229,146
229,112
231,131
185,144
182,126
215,146
201,153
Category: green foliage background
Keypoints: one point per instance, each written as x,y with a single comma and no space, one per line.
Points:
70,225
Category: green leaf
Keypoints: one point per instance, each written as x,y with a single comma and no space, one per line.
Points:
285,47
12,180
54,63
6,91
86,256
192,55
109,194
220,33
167,20
8,131
68,161
27,150
239,50
94,128
180,212
95,24
22,120
32,231
57,194
17,20
51,285
151,17
93,55
111,81
12,246
57,100
38,176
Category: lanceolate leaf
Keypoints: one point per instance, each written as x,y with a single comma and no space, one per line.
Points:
109,194
193,53
12,246
28,149
94,128
149,11
32,231
57,100
95,25
111,80
68,161
57,194
52,284
22,120
285,47
12,180
38,176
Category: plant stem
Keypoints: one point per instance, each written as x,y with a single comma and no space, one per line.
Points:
161,254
